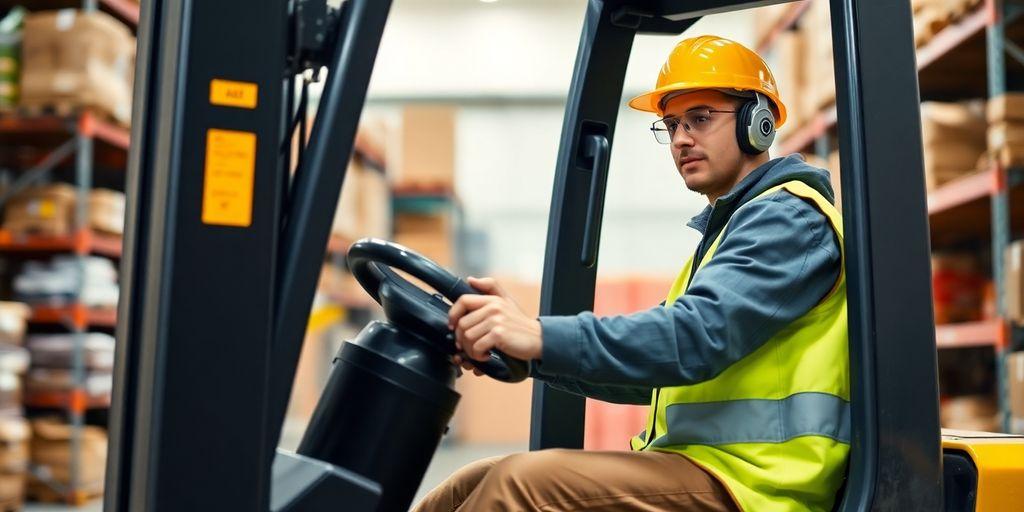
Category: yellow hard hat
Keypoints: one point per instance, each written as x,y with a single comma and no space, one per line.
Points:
711,62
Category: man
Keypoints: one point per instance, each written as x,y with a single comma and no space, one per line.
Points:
745,365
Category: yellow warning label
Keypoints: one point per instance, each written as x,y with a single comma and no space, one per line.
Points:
233,94
228,182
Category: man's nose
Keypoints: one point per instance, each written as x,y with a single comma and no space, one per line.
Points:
681,138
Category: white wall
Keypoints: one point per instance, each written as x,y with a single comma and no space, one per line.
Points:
518,55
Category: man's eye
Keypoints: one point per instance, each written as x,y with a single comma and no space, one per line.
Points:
701,119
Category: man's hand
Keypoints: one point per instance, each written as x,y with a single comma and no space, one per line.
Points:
493,321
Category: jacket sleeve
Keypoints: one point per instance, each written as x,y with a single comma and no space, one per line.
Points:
634,395
777,259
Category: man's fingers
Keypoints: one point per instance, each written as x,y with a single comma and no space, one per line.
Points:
479,329
487,285
474,318
482,347
465,304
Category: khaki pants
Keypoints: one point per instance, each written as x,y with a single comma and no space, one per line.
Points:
562,480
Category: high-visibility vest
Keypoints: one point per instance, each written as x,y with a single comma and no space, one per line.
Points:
774,427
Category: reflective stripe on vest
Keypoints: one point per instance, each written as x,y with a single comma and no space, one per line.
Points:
757,420
774,427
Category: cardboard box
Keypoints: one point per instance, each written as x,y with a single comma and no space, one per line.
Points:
106,211
439,249
953,135
1006,142
12,489
78,59
14,438
972,412
438,224
48,209
1013,287
51,448
13,321
425,159
1006,107
1015,383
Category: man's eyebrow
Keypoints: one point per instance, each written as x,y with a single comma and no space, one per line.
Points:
691,109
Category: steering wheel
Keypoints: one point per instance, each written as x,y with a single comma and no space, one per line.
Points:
371,261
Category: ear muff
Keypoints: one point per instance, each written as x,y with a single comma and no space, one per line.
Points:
755,125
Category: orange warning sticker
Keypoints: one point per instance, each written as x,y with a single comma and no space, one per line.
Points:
233,94
228,180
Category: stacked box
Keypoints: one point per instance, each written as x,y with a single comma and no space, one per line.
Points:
424,157
14,459
50,210
14,431
1006,129
953,135
51,456
75,59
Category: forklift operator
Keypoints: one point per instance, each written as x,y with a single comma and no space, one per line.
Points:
745,365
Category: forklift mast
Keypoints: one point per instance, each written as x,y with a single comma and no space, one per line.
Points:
223,244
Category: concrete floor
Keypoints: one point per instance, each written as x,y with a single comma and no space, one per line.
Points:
446,460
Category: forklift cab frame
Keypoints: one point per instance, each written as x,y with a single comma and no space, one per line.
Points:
214,304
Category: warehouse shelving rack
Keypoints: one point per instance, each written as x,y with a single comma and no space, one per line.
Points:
975,205
89,139
92,141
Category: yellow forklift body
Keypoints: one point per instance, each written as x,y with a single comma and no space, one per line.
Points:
998,459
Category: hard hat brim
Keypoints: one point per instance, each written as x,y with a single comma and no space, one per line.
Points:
649,101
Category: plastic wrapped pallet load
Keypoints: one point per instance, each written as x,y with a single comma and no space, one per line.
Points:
61,280
56,350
